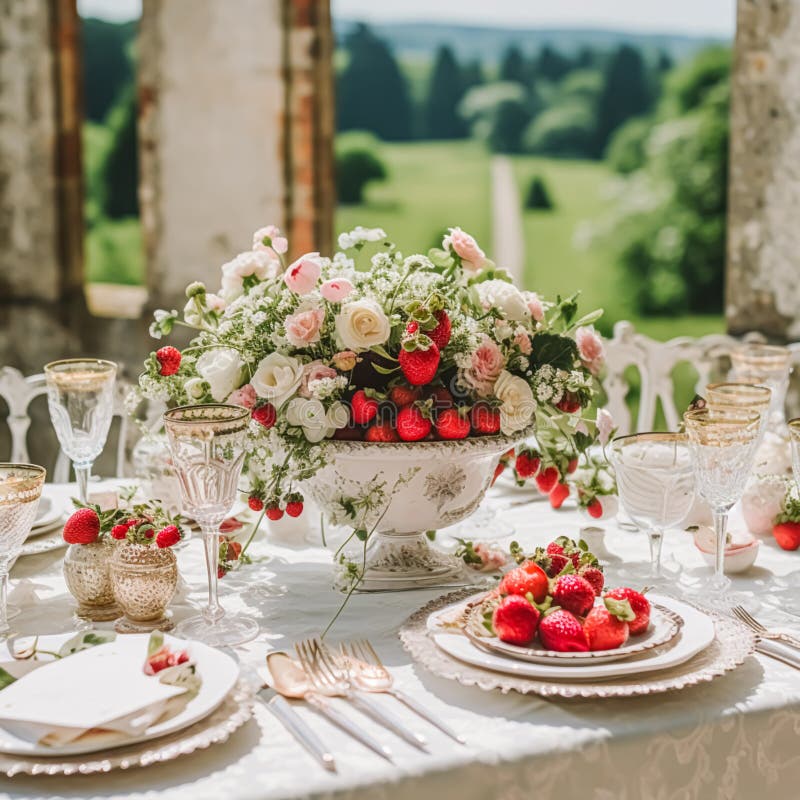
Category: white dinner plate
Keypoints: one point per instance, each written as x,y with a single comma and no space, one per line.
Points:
219,673
696,634
664,627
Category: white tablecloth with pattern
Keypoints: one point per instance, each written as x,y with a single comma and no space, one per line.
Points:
737,737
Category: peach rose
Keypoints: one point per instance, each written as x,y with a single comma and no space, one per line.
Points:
302,275
523,341
466,248
336,290
246,396
591,349
534,305
303,327
487,364
315,371
345,361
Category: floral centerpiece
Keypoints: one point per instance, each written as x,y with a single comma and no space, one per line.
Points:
365,368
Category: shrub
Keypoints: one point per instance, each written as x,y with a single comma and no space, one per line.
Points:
355,168
538,196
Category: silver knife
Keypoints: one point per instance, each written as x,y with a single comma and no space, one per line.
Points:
291,720
387,719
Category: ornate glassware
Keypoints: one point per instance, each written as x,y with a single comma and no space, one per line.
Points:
765,364
20,490
655,482
723,445
80,395
742,395
88,577
794,434
207,444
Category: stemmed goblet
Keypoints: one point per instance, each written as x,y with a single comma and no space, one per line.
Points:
80,396
768,365
742,395
794,435
20,490
655,482
208,447
722,443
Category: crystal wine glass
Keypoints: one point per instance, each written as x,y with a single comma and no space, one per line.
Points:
80,396
655,482
742,395
794,435
723,444
20,490
769,365
208,448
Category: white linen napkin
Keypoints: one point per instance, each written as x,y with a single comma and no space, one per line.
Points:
790,654
101,693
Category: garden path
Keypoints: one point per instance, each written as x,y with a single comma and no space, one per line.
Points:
508,242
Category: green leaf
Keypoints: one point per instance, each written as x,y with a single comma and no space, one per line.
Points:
155,643
384,370
590,318
621,609
83,641
431,535
361,534
6,679
381,351
560,352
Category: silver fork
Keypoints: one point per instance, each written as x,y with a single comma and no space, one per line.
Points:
369,674
745,616
329,676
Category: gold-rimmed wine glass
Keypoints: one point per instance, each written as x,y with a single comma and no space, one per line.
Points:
208,448
655,483
768,365
20,490
722,442
80,396
751,396
794,436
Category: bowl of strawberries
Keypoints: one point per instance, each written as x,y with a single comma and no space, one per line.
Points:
554,607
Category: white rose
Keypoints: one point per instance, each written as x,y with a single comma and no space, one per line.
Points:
310,416
277,377
505,297
221,368
261,264
338,416
517,404
195,388
361,325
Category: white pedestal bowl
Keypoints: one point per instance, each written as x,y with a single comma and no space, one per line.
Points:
402,491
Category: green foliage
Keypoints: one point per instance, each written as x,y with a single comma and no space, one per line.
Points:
510,120
114,252
565,130
372,92
356,166
688,85
538,197
442,120
120,168
551,65
107,69
626,151
513,66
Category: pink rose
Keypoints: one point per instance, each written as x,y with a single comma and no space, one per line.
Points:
492,557
487,364
590,347
246,396
302,275
466,248
303,327
334,291
534,305
278,242
345,361
605,425
523,341
315,371
215,302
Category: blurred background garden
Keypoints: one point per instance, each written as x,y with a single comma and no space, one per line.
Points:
616,139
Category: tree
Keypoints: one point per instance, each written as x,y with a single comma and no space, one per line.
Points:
625,94
442,120
512,66
510,120
371,91
472,74
106,66
354,170
120,169
551,65
538,197
565,130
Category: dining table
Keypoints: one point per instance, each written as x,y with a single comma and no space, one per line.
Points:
737,736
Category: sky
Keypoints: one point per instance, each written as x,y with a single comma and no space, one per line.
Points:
703,17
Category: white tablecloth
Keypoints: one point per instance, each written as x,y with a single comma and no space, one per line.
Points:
736,737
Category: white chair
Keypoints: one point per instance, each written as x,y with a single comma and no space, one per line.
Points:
19,392
656,362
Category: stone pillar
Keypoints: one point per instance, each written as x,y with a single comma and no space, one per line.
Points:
228,114
763,275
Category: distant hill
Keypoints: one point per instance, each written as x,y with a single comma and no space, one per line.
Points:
487,44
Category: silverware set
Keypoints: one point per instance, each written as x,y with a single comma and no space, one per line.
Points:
352,673
764,634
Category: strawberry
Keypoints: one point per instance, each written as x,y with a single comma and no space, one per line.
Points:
255,502
119,532
163,658
83,527
560,630
527,464
557,562
529,577
382,432
569,403
221,572
168,536
419,366
639,604
558,494
594,576
440,335
265,415
169,360
485,419
572,466
515,620
498,471
573,593
787,535
604,630
412,425
441,397
230,524
274,512
233,550
595,508
547,479
294,508
404,395
363,408
451,424
554,548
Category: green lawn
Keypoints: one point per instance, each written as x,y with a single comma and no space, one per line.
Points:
431,186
